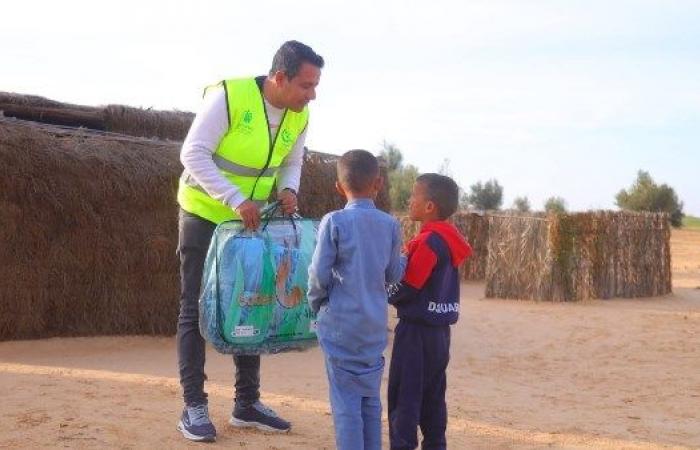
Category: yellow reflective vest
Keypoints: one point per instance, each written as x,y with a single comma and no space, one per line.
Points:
246,156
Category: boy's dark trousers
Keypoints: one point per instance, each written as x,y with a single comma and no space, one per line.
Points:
417,383
195,234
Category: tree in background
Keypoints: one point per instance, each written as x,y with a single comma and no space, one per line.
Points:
401,177
646,195
484,196
521,204
556,205
392,155
463,200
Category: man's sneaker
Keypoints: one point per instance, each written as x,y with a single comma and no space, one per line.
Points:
195,424
259,416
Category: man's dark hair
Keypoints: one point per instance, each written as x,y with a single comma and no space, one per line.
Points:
290,57
357,170
441,190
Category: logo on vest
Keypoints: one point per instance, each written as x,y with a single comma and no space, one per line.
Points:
443,308
286,137
247,117
245,125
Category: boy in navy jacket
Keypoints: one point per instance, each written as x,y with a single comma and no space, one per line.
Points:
427,303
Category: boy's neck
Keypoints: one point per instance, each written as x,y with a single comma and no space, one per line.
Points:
426,220
350,196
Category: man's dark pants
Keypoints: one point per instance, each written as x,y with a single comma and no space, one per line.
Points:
194,236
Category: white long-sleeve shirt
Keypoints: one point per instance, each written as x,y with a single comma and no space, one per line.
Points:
208,128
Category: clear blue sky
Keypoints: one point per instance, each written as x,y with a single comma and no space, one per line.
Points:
566,98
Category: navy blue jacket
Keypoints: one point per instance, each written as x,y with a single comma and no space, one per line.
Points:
429,291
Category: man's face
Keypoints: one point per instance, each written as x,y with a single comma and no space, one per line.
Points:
300,90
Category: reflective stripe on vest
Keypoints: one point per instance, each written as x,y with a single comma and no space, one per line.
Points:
237,169
245,156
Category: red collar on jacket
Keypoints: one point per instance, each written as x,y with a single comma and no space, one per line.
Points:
459,247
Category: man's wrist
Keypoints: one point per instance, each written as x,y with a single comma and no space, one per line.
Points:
236,200
293,191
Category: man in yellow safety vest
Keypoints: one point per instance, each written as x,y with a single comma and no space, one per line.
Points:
248,137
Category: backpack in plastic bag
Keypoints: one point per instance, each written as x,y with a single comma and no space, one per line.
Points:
253,297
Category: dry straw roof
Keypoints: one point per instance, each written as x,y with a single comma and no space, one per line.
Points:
172,125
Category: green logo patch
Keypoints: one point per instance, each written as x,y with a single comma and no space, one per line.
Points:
287,137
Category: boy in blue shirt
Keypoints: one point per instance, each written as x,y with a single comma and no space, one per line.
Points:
357,254
427,303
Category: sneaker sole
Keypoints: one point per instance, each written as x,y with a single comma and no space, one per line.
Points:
260,426
194,437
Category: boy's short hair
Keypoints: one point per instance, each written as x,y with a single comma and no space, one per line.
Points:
291,55
441,190
357,170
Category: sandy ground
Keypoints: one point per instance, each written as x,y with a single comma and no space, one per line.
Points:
610,374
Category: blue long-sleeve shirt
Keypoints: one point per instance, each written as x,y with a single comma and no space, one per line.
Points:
358,252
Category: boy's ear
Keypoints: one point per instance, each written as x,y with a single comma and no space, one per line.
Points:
430,207
378,183
339,188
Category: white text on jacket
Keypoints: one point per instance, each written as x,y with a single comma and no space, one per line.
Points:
443,308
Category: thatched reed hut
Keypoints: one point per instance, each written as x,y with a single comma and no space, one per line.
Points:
476,229
88,227
172,125
88,232
573,257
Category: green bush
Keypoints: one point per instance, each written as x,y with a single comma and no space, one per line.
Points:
646,195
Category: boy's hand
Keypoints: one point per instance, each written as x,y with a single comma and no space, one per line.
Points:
288,201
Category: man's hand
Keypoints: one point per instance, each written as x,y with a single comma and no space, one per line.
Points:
250,215
288,201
